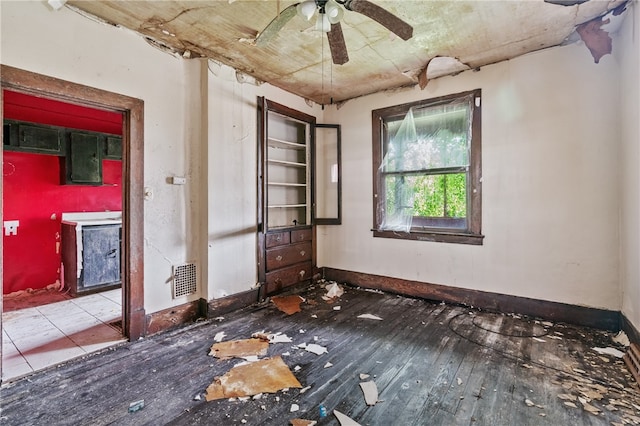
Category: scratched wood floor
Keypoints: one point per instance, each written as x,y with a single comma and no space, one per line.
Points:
434,364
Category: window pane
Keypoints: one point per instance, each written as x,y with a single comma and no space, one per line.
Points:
429,138
442,195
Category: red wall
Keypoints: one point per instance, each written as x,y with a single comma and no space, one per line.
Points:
32,192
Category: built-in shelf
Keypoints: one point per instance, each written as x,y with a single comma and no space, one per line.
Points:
279,143
300,185
286,163
285,231
286,206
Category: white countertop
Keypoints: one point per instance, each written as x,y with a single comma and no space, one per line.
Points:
89,222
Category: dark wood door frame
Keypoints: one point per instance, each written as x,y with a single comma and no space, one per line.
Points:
132,111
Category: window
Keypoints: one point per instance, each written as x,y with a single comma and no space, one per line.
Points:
427,169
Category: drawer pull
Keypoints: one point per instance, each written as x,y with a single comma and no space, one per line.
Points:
279,258
302,253
279,238
302,274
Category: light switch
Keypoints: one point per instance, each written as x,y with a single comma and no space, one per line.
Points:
11,227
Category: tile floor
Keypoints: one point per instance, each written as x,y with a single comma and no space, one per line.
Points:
36,337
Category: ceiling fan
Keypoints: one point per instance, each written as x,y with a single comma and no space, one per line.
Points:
328,20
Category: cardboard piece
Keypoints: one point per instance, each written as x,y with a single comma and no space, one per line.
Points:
370,391
288,304
265,376
239,348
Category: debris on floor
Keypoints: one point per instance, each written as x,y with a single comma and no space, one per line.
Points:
294,408
288,304
370,316
609,351
621,338
345,420
364,376
239,348
334,291
265,376
328,364
302,422
370,391
136,406
313,348
219,337
272,337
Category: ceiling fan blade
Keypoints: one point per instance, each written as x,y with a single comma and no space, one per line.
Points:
337,45
382,16
276,25
566,2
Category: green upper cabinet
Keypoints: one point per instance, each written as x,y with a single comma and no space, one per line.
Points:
81,152
113,148
30,137
83,162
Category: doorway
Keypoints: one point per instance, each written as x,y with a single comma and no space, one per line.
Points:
131,109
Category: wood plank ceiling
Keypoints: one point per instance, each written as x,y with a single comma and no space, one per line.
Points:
448,37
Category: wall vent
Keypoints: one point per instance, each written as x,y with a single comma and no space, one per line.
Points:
184,280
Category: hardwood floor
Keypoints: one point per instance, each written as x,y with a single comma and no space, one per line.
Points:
433,364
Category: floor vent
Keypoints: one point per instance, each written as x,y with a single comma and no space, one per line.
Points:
184,280
632,359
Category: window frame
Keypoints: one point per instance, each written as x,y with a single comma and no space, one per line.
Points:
473,233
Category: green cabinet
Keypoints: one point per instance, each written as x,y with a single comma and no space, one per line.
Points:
31,137
83,162
81,152
113,148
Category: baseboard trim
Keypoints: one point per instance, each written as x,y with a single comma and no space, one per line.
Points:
224,305
174,317
553,311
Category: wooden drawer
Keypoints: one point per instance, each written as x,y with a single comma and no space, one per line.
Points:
301,235
280,257
285,277
277,239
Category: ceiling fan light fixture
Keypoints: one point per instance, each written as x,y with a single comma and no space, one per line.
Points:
322,23
333,11
306,9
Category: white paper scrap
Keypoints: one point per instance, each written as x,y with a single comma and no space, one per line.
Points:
316,349
303,390
336,308
345,420
328,364
334,290
621,338
364,376
294,408
370,316
609,351
279,338
219,336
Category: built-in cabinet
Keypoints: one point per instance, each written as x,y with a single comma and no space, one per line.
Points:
81,152
286,235
91,255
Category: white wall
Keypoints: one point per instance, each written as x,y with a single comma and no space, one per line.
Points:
628,55
232,168
550,199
